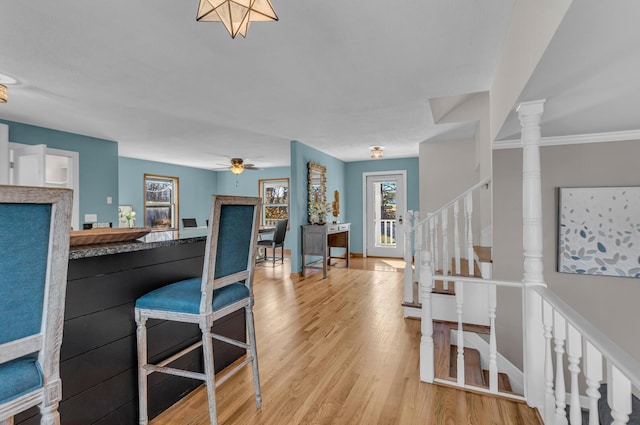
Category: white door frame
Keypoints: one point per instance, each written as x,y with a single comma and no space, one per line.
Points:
364,201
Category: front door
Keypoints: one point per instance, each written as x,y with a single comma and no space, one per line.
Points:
385,207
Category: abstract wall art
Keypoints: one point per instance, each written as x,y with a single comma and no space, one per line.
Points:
599,231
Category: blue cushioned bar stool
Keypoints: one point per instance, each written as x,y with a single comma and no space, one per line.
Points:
34,253
225,287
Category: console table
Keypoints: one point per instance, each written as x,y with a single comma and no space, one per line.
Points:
317,240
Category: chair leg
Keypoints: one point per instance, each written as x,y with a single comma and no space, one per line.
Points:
282,253
254,353
141,335
52,393
273,247
209,371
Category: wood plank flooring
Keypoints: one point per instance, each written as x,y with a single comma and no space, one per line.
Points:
337,351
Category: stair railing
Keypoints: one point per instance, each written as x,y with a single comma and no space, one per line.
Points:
432,235
569,339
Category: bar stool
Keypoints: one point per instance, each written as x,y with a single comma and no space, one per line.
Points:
226,286
34,247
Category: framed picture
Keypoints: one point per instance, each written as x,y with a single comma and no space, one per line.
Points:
599,231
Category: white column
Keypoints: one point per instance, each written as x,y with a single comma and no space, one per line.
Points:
530,114
4,154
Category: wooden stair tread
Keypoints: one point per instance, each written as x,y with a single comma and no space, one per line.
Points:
472,368
504,385
441,338
483,253
467,327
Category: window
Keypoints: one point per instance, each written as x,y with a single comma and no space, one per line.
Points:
275,200
160,202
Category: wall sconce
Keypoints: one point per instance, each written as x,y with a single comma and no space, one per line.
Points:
376,152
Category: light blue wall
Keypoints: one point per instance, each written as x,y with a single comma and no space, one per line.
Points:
195,187
354,210
246,184
98,165
301,154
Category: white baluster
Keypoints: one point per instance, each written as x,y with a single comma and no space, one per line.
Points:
459,308
456,236
445,247
593,375
550,401
418,247
574,353
493,347
468,214
436,234
619,395
408,270
560,334
427,355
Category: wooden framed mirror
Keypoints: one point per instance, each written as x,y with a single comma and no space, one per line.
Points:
317,180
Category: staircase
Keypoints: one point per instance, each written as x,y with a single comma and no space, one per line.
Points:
446,359
451,290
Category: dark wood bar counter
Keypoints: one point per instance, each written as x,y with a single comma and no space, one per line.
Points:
98,357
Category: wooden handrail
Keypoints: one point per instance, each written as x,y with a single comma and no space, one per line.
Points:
453,201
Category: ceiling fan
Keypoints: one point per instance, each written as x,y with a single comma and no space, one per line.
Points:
238,166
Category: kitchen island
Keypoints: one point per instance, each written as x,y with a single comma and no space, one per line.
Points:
98,356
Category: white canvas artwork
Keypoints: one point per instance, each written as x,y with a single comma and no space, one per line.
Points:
599,231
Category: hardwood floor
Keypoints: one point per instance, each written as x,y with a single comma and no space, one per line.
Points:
337,351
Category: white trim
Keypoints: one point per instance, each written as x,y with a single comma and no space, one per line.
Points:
612,136
364,200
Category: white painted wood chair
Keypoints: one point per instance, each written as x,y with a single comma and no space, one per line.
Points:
226,286
34,248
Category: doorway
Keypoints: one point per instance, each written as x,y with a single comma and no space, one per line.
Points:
384,206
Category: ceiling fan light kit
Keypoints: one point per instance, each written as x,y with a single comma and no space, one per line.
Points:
236,15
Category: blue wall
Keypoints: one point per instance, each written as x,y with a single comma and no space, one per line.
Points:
98,165
354,210
301,154
195,187
246,184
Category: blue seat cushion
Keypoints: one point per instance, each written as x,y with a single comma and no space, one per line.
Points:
184,297
19,377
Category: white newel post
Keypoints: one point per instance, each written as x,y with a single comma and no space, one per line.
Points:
408,269
530,114
427,355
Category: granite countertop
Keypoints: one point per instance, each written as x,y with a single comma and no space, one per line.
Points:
150,241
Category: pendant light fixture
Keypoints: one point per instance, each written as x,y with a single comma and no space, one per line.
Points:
4,95
236,15
376,152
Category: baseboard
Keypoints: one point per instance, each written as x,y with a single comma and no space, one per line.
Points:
411,312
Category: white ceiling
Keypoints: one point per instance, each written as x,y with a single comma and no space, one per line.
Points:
340,76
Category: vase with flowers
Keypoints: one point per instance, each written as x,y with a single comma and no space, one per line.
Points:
318,212
131,218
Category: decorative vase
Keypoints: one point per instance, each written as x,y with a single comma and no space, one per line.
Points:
314,219
131,224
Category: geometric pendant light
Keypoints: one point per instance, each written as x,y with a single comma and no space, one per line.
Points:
236,15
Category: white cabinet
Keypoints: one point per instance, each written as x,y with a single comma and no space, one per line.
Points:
39,165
